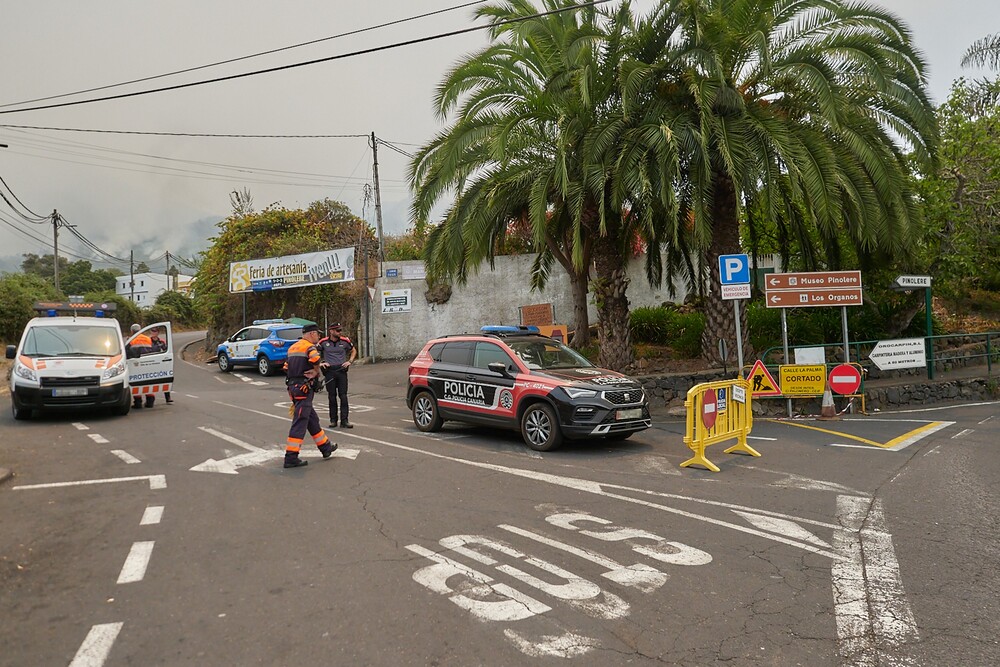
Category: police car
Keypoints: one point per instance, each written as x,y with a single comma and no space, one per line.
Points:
513,377
72,356
264,345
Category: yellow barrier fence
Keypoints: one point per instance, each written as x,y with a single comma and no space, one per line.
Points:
716,412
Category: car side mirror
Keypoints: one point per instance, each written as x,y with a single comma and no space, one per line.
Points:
499,367
11,351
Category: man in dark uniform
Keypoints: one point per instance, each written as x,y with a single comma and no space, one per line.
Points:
338,354
302,368
139,345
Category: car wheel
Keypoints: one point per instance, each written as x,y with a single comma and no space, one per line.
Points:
123,408
425,413
540,429
19,412
225,365
264,366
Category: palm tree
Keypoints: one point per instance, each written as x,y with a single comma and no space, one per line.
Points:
806,107
540,134
984,52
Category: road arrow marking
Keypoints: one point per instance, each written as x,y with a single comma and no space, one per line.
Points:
229,466
230,439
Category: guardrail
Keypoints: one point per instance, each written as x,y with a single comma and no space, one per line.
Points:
937,355
716,412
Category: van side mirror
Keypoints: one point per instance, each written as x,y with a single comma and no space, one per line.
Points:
11,351
499,367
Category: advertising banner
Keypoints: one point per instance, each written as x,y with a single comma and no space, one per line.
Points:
312,268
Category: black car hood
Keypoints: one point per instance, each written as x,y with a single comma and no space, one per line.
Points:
598,377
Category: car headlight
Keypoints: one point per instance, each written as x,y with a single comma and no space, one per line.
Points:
24,372
113,371
575,392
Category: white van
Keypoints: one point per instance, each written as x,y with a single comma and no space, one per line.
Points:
80,360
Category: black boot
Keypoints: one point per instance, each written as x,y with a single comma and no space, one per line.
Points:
346,424
295,463
136,404
327,449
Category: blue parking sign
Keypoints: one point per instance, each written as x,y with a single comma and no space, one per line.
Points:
734,269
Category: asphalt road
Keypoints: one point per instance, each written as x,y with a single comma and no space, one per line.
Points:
869,541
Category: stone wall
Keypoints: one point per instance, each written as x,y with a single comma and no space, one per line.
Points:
669,391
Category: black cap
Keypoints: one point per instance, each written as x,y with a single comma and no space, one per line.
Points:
309,327
335,325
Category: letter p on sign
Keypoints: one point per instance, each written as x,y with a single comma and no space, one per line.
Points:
734,269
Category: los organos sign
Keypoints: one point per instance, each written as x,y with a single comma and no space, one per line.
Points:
313,268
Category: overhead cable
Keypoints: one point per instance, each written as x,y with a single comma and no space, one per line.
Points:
351,54
247,57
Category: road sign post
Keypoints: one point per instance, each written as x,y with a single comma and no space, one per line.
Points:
908,284
734,277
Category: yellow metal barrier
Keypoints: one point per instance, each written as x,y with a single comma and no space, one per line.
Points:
718,411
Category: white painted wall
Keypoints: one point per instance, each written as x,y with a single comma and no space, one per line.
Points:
489,297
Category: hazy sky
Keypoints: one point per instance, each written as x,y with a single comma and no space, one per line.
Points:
162,193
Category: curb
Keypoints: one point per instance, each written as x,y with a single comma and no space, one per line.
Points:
5,474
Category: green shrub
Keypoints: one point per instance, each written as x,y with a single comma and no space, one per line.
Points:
669,326
18,293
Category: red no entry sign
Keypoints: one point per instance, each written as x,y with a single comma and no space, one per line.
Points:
845,379
708,408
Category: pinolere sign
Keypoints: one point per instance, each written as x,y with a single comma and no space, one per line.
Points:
813,289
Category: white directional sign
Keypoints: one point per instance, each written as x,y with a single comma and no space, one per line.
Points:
913,282
900,353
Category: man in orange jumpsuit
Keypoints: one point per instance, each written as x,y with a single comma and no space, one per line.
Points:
302,368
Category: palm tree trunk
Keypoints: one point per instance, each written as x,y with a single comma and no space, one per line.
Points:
581,318
610,285
720,320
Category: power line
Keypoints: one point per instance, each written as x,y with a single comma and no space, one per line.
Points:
182,134
351,54
385,143
36,219
247,57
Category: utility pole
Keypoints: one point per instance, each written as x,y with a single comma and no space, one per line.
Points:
378,204
168,271
55,246
131,273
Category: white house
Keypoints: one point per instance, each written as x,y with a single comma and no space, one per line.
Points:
148,286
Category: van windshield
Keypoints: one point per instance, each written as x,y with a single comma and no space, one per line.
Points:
77,340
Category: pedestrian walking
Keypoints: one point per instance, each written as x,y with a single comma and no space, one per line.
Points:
338,354
302,369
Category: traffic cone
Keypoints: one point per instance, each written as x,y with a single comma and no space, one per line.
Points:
829,410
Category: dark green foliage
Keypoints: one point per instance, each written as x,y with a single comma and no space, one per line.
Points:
18,292
81,278
669,326
175,307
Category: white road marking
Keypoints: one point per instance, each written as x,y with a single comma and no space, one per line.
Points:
515,607
96,647
806,483
986,420
934,450
125,456
641,576
783,527
220,379
84,427
874,619
961,433
135,565
190,395
920,435
760,437
152,515
98,438
868,447
231,465
675,553
230,439
155,482
947,407
657,465
241,376
566,645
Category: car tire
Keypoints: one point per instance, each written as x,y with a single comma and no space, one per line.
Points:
124,407
540,428
425,413
225,365
264,366
19,412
